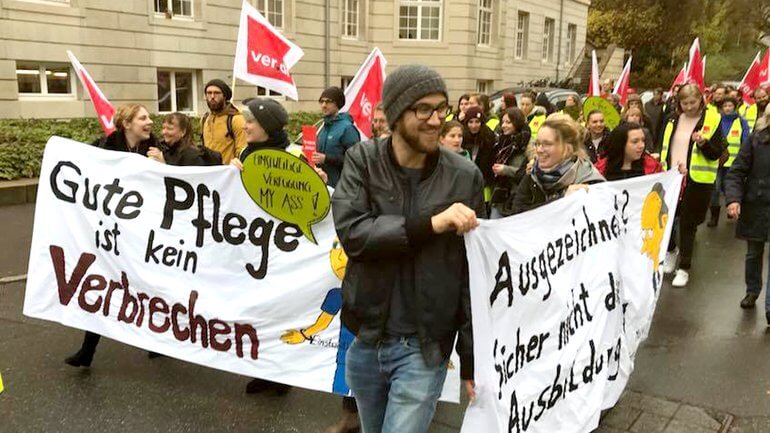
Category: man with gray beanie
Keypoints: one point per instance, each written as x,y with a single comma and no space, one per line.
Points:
399,207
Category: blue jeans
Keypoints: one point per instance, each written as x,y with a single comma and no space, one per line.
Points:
395,390
754,254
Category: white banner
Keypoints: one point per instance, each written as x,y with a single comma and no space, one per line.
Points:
562,297
181,261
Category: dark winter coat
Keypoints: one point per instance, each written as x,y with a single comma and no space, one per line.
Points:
532,193
748,183
484,141
511,151
655,114
596,152
646,165
182,155
117,142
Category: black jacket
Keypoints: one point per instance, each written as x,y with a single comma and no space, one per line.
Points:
117,142
369,205
596,152
532,193
655,114
182,155
485,139
511,151
748,183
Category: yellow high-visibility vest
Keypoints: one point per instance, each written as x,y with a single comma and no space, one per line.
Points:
749,112
701,169
535,124
734,141
493,122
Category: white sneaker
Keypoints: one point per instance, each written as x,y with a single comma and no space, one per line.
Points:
681,278
669,265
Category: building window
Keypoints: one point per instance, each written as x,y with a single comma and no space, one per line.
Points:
571,43
483,86
44,79
272,10
522,35
484,30
261,91
350,14
548,34
419,20
345,81
177,91
174,8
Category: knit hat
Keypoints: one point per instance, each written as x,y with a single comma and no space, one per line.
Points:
335,94
405,86
226,90
270,115
474,113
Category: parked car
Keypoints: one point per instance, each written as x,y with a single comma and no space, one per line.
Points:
556,96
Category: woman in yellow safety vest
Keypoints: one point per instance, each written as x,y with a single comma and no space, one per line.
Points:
691,138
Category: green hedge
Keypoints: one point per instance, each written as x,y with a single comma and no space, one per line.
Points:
22,141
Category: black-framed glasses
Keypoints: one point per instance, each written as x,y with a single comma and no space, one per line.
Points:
425,111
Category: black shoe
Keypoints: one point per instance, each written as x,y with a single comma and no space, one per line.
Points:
749,300
767,316
80,359
260,385
714,217
153,355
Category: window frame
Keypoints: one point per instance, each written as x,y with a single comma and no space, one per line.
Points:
277,97
171,14
548,40
421,5
521,44
483,86
571,43
172,84
346,13
44,95
488,12
266,12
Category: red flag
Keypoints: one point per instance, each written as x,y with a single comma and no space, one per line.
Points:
680,78
104,110
365,91
309,143
621,88
263,56
764,69
696,67
750,81
593,85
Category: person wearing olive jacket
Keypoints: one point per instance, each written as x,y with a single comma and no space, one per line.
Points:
747,192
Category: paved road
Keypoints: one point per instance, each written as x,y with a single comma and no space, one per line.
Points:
703,351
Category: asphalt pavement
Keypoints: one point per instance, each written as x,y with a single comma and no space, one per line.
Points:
703,353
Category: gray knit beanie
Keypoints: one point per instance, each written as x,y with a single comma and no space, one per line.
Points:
270,114
405,86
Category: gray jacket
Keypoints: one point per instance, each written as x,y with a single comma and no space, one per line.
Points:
369,205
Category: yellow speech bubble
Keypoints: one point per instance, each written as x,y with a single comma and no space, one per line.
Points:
287,188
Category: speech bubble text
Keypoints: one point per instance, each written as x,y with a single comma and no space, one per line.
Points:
286,188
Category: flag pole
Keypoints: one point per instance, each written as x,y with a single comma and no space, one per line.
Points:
232,97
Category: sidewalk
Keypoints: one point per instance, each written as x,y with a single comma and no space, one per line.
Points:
640,413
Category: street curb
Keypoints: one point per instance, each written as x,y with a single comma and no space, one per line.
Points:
12,279
18,191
